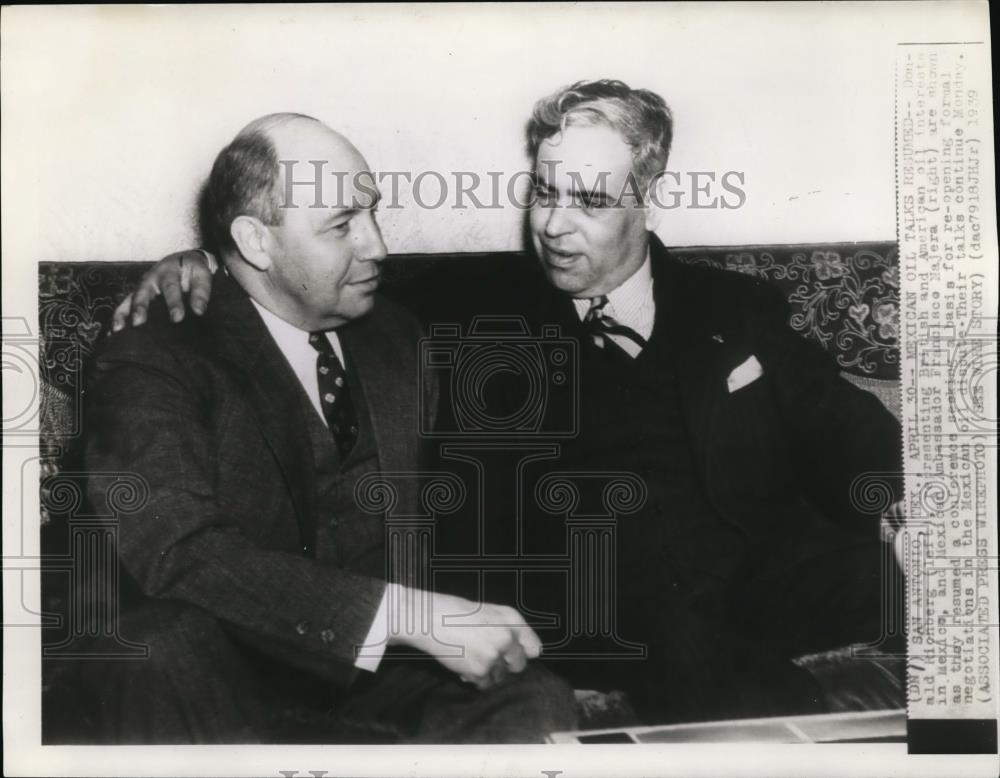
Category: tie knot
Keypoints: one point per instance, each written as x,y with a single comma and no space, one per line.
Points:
597,306
319,341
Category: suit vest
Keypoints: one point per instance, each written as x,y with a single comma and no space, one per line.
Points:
345,535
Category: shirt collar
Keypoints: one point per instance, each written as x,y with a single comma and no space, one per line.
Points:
292,341
630,303
286,335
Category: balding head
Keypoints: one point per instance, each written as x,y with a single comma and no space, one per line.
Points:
269,122
290,207
245,180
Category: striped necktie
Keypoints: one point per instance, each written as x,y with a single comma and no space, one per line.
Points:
602,327
334,396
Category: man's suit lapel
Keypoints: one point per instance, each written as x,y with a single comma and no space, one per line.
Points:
371,354
684,337
557,308
272,393
687,332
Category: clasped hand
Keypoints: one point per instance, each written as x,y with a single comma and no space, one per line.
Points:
480,642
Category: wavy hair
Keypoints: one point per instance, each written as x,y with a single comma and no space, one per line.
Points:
642,118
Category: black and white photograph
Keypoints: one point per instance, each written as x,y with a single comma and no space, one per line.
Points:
491,381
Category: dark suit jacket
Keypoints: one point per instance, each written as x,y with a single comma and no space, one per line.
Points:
777,456
209,414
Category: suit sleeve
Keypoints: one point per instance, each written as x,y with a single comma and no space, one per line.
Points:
837,432
147,416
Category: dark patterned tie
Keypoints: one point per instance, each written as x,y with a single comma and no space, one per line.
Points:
334,395
601,326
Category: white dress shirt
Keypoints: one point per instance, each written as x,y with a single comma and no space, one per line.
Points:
631,304
301,357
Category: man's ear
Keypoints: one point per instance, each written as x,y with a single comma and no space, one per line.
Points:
253,239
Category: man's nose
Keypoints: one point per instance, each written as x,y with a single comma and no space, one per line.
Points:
557,222
371,247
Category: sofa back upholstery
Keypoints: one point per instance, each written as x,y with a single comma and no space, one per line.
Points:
844,296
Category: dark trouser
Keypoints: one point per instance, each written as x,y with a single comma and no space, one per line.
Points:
728,653
198,686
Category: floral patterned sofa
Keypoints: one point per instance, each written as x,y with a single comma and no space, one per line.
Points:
844,296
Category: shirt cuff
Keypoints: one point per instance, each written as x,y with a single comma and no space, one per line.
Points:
894,516
369,654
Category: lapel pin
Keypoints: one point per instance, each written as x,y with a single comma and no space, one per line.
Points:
717,338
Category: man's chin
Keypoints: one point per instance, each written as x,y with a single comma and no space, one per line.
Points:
360,306
363,306
564,280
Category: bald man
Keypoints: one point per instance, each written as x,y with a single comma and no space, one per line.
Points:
269,604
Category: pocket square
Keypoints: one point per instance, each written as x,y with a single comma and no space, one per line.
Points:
744,374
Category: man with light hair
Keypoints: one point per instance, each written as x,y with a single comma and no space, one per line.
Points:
748,550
